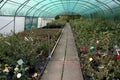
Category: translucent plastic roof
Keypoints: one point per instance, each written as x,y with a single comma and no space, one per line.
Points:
52,8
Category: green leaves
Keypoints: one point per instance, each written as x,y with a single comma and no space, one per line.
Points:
99,37
88,31
33,47
16,47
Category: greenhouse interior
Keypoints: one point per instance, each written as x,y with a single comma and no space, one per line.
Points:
59,39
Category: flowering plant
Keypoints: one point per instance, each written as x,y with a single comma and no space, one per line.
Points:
96,42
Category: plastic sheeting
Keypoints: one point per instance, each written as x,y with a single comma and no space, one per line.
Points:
9,23
43,21
52,8
30,22
8,26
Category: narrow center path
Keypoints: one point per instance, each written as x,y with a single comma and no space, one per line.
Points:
64,64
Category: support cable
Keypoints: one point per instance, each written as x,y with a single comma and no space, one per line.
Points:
6,25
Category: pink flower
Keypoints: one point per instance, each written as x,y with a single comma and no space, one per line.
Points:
84,49
118,57
99,51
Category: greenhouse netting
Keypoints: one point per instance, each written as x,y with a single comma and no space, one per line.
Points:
51,8
85,35
37,13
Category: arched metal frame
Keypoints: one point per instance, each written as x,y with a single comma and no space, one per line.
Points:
53,11
77,2
36,9
52,8
57,13
64,2
117,2
33,7
105,5
17,11
4,3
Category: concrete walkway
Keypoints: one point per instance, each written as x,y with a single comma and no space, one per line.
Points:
64,64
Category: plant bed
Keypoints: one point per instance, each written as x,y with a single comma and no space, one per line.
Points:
98,44
23,55
55,24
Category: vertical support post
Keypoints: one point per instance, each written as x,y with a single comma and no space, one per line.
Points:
32,22
41,23
37,23
14,25
25,24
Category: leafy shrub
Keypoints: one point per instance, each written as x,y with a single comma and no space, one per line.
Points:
33,47
55,24
98,41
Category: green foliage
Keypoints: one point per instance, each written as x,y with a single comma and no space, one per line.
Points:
57,17
88,31
104,64
69,17
55,24
30,46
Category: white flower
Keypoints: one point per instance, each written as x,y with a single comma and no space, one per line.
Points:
97,41
6,70
16,68
90,59
116,47
19,75
118,51
101,67
35,75
26,39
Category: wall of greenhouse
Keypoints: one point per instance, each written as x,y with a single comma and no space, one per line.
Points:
43,21
7,24
30,22
21,23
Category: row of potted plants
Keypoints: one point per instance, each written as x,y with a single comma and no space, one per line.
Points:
98,44
24,54
56,24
